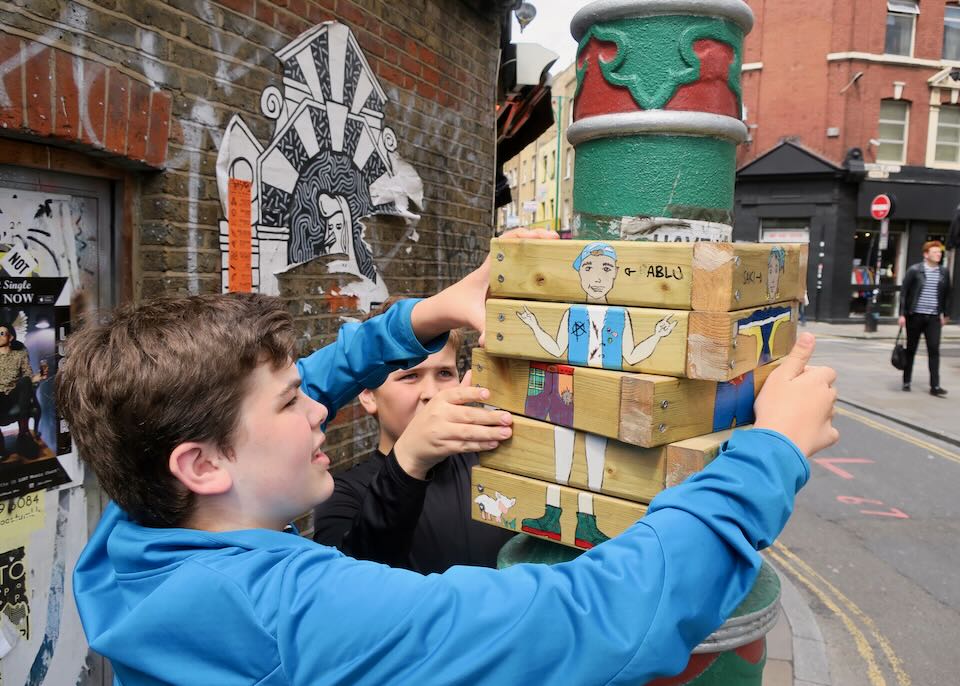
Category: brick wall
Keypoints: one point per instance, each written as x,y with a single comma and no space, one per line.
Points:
799,94
151,83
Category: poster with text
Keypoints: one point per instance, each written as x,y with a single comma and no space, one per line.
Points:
35,452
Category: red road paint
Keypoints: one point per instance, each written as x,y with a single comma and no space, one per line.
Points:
830,462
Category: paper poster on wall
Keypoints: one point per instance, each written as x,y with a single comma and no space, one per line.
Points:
330,162
35,451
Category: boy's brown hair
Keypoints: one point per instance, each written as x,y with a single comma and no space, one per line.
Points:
163,373
932,244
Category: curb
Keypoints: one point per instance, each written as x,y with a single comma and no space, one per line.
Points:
810,664
939,435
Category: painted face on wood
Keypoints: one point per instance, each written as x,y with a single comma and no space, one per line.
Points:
597,272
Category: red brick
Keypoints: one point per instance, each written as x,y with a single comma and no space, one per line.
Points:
11,110
66,108
392,36
160,106
290,24
280,3
409,64
298,8
431,75
118,108
391,74
39,86
427,91
428,56
139,121
371,44
93,103
317,14
242,6
264,13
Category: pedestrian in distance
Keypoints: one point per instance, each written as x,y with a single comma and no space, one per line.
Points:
924,301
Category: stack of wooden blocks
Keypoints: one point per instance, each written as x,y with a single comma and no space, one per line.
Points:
626,364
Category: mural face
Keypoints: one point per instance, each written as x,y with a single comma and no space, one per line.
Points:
775,266
329,163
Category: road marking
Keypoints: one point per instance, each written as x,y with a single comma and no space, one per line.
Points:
903,679
829,462
926,445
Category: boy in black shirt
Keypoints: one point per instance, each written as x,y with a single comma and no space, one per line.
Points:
405,514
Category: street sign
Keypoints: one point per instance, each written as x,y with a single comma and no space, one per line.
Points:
881,206
884,234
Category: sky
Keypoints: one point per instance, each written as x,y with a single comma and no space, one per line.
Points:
551,29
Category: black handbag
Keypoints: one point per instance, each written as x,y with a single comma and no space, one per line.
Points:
898,358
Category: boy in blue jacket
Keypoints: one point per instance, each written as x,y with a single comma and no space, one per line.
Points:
192,414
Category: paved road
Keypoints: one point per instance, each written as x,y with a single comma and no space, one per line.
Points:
873,545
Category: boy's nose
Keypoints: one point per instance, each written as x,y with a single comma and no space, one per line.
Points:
317,413
428,389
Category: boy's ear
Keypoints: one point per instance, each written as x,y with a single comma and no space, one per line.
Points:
368,402
200,467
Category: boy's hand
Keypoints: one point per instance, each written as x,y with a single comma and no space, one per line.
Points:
797,400
463,303
447,425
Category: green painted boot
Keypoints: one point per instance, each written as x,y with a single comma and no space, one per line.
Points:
547,526
587,534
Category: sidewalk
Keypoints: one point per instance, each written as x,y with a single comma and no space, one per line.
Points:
796,652
867,381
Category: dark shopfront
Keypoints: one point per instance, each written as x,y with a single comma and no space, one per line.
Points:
792,194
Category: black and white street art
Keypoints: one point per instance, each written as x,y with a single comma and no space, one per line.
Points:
330,163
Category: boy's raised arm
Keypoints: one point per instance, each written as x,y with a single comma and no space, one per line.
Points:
627,611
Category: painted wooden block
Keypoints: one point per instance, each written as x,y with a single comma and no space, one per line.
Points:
717,346
566,515
549,452
714,277
688,457
723,346
642,409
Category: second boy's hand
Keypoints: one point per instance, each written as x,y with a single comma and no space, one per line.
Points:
447,425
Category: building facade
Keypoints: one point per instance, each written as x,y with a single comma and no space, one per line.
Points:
541,175
330,152
846,100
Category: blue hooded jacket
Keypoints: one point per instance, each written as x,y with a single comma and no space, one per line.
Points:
183,606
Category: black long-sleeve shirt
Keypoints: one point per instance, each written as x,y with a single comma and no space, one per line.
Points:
379,512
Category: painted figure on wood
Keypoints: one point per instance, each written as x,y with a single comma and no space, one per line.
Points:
734,402
594,335
550,393
775,266
763,325
587,533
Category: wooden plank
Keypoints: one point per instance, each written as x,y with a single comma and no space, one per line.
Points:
586,461
717,346
723,345
510,501
734,276
685,458
641,409
631,339
703,276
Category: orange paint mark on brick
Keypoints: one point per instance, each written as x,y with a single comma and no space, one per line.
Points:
66,100
338,302
139,121
160,105
11,110
118,108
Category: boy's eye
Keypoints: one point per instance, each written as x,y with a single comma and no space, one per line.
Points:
408,377
446,373
292,401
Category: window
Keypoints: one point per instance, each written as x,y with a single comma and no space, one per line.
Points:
901,18
553,164
569,162
545,167
951,33
948,135
893,131
552,209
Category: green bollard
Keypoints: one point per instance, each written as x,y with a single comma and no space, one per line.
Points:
733,655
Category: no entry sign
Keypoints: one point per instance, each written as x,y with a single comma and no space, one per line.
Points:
881,206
